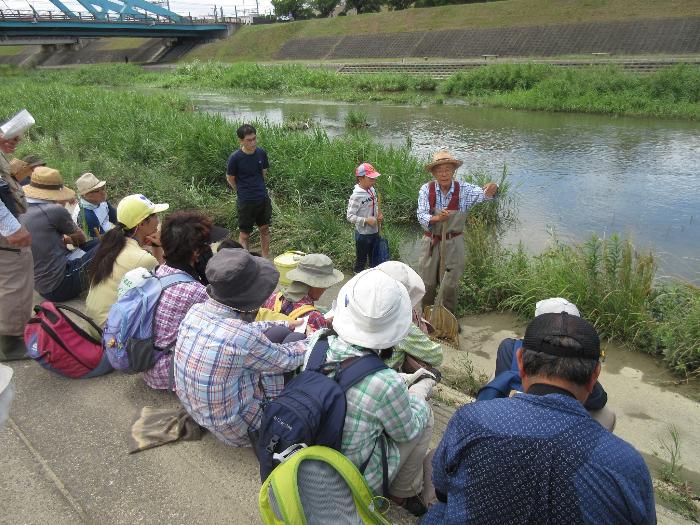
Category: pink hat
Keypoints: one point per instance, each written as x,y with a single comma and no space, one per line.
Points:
366,170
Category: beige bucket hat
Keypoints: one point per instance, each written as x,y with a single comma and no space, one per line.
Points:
47,184
315,269
443,157
87,182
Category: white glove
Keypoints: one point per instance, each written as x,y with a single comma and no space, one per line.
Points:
422,388
406,378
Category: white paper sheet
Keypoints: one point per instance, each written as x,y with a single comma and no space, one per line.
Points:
17,125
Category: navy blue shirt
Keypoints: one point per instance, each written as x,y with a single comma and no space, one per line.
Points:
248,170
537,459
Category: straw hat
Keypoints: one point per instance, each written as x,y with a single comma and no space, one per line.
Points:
20,169
87,182
443,157
315,269
373,311
47,184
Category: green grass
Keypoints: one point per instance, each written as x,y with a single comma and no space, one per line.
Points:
10,50
256,43
671,93
156,144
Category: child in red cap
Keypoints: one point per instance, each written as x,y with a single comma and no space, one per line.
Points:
364,213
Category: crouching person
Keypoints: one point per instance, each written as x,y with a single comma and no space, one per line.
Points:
384,420
223,360
538,456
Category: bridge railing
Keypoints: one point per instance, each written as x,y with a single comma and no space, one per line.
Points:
51,16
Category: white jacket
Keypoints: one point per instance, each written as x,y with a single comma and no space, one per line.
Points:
362,204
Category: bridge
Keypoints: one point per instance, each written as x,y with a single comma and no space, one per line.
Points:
107,18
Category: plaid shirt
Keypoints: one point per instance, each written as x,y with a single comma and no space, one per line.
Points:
418,345
174,304
219,362
379,405
316,319
469,195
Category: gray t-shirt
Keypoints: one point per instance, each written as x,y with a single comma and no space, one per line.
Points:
48,223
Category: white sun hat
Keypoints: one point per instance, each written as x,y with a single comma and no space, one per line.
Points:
556,305
407,276
372,310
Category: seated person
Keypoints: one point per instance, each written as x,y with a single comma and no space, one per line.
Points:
97,216
185,238
121,250
22,169
312,276
423,351
373,314
223,359
508,378
59,274
538,457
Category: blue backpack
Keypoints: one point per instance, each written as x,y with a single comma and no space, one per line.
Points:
128,336
311,408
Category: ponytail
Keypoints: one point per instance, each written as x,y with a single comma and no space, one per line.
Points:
111,245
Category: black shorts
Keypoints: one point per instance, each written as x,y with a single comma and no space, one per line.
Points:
254,213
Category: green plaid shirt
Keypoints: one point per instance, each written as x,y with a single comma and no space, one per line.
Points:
377,406
418,345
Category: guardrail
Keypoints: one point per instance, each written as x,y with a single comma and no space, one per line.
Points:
15,15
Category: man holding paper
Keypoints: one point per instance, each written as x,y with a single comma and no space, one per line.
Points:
17,276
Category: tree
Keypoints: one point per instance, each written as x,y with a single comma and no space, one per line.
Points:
297,8
364,6
397,5
324,7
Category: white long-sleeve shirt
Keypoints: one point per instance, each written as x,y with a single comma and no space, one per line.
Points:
362,204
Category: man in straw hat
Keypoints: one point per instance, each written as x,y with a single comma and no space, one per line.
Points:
313,275
97,215
59,274
538,456
17,275
388,425
223,358
444,203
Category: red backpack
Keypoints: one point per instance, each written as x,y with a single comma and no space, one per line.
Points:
58,344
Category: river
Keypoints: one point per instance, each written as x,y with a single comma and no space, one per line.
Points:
573,175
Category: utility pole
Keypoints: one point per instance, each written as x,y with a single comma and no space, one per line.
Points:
257,7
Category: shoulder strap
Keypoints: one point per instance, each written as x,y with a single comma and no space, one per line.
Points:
79,314
173,279
454,201
277,307
318,354
304,309
358,370
432,196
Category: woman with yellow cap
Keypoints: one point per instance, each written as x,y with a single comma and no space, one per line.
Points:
121,250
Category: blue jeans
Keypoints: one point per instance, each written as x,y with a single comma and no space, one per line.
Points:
75,279
364,247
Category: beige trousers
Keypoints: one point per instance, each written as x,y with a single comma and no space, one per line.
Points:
16,290
409,478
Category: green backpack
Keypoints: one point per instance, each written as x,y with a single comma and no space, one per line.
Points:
318,485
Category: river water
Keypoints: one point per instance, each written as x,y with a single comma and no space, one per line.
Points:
573,174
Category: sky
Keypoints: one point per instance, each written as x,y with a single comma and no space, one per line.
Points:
183,7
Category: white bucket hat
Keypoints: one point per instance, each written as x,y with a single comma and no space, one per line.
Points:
6,392
372,311
556,305
407,276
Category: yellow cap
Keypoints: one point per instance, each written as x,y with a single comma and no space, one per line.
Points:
132,209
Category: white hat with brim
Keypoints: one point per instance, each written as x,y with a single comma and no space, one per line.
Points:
443,157
315,269
556,305
87,182
47,184
372,311
5,377
407,276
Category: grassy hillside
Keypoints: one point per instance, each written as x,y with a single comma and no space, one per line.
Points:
262,42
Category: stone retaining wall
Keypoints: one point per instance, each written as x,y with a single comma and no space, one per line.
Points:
636,37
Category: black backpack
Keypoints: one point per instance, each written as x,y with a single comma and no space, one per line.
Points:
311,408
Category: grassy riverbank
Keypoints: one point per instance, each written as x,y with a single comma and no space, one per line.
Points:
157,144
668,93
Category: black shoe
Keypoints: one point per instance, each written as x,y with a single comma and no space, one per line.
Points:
12,348
414,505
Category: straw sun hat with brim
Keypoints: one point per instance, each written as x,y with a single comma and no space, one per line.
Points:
133,209
443,157
47,184
240,280
315,269
87,182
372,310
